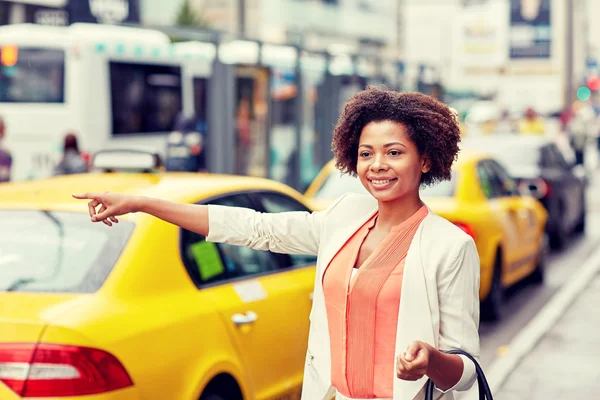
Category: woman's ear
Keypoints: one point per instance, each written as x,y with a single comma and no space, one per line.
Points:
425,164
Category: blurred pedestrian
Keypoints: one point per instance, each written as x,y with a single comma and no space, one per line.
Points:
5,156
72,161
581,130
364,342
244,136
532,124
505,123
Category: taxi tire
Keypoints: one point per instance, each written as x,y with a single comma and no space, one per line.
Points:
491,307
212,396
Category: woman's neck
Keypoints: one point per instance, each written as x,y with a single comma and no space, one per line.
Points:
393,213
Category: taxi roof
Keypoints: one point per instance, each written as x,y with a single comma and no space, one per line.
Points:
55,193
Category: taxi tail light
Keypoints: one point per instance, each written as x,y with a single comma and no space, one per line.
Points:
466,228
49,370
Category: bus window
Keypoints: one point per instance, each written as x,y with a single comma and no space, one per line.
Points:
145,98
31,75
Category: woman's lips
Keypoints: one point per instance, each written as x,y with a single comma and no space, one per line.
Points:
381,184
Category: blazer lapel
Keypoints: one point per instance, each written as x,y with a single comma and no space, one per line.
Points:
340,237
414,318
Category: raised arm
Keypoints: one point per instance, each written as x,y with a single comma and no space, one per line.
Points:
107,206
287,232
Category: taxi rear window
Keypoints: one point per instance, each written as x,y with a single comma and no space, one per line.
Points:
47,251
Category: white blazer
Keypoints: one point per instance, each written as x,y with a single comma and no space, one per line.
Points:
440,287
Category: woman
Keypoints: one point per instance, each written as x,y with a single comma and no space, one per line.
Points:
72,162
395,284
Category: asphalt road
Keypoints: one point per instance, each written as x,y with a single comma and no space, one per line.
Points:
524,301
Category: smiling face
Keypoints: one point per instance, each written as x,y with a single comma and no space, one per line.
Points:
389,164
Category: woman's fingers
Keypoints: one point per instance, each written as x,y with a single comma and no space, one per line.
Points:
92,207
114,219
88,196
103,214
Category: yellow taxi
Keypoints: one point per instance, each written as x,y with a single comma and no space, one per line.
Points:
144,309
481,199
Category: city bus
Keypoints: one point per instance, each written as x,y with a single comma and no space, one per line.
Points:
112,86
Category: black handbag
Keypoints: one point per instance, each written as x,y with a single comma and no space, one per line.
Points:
484,389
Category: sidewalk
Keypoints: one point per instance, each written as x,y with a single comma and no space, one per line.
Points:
565,364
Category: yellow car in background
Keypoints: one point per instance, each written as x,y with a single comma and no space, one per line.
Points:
144,309
481,199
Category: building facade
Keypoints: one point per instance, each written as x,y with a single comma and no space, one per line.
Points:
319,24
523,53
66,12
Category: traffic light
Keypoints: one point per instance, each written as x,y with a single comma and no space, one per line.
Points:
9,55
584,93
593,83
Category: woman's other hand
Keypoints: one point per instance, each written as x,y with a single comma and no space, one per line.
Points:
412,365
105,207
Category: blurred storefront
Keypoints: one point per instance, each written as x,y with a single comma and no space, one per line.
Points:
66,12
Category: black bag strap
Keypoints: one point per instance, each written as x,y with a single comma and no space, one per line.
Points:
484,389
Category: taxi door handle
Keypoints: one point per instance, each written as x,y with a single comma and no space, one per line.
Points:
311,295
244,319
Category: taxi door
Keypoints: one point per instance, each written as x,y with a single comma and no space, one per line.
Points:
258,299
521,235
300,268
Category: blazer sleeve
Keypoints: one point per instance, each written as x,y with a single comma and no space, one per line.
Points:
293,232
458,288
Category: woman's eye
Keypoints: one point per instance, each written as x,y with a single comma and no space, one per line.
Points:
395,153
364,154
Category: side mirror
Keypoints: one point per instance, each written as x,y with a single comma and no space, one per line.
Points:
537,188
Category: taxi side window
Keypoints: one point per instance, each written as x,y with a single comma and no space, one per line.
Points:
485,181
495,181
209,263
506,184
553,158
272,202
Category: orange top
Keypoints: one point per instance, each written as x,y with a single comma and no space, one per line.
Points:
362,310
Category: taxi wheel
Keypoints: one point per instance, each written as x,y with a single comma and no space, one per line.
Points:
212,396
222,387
491,307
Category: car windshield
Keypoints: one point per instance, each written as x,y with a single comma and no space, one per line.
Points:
46,251
338,184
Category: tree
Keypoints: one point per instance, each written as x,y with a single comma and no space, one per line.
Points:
187,16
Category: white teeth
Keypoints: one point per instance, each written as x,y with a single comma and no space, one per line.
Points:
381,182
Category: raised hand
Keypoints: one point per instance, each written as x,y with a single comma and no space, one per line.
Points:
106,206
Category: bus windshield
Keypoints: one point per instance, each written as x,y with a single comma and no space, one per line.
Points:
31,75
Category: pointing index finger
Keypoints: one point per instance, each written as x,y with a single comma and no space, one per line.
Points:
83,196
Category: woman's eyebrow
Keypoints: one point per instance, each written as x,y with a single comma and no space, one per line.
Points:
394,144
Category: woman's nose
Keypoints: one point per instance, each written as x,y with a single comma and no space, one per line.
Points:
378,164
